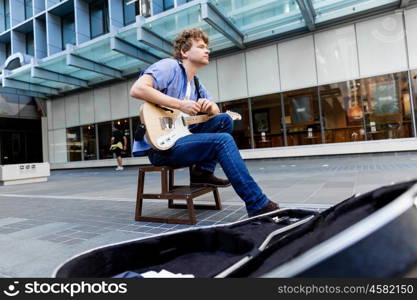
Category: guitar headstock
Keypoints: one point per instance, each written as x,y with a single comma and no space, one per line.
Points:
234,115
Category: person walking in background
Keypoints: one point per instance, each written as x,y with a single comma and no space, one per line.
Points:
118,143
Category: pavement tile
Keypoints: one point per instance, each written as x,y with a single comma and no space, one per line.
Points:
72,241
6,230
83,235
89,217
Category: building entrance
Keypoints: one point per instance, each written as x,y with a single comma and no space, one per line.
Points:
20,141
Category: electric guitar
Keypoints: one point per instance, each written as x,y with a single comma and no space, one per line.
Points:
164,126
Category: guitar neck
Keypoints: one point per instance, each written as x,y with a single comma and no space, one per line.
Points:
197,119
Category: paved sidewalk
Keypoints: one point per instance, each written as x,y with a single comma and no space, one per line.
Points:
43,224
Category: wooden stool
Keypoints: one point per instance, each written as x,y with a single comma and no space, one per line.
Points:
172,192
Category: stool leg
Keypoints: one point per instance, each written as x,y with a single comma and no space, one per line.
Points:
164,181
217,199
139,195
170,187
190,208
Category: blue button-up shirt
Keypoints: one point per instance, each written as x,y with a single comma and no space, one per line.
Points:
170,78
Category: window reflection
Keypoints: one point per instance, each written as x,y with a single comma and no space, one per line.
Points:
356,110
342,112
99,18
302,117
124,127
104,140
414,86
89,142
68,30
266,121
387,108
241,128
135,123
30,48
6,10
28,9
74,144
167,4
130,11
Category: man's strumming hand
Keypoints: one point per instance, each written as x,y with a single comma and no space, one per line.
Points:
189,107
208,106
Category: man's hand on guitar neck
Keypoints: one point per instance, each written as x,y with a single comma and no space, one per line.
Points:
208,107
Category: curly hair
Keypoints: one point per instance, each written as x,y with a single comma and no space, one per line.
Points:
183,41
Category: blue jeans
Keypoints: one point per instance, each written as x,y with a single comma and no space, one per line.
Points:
212,143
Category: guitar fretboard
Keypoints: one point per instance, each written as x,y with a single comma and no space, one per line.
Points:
197,119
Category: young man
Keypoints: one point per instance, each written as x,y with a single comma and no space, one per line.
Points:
118,143
171,83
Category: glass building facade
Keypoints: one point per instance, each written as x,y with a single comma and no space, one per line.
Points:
374,108
295,83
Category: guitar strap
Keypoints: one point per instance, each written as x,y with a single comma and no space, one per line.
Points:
197,87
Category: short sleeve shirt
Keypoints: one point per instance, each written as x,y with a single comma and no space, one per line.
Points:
118,136
170,78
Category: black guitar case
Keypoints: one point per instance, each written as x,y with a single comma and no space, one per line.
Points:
368,235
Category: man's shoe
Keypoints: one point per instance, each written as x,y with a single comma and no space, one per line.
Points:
270,206
205,178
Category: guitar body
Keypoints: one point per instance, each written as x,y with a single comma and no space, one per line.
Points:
163,127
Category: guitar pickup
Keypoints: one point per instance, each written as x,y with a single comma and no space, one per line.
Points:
166,123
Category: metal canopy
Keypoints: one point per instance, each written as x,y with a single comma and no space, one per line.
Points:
22,85
333,10
405,3
217,20
7,90
89,65
125,51
131,50
151,39
309,15
40,73
109,56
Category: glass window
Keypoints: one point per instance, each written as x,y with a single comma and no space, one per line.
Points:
387,108
8,49
167,4
414,86
89,142
99,16
266,121
30,48
135,123
104,140
130,11
6,14
68,30
28,9
74,144
241,128
124,127
302,117
342,112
